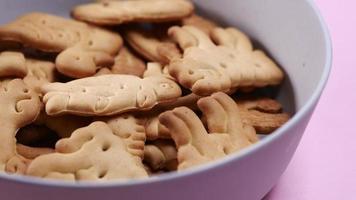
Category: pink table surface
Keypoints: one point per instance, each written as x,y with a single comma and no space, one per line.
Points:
324,166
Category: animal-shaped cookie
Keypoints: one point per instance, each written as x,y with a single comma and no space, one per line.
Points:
118,12
207,67
264,114
108,95
91,153
132,131
19,106
227,133
82,48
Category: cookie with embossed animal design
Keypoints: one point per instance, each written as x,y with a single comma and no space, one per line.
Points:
119,12
82,48
229,63
91,153
108,95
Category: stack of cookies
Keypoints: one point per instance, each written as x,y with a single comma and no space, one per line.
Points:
129,89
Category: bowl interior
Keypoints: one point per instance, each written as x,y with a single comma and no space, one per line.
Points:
296,44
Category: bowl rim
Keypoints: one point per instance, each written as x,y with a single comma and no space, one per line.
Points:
307,107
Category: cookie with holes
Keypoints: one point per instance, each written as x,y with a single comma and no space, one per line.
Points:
20,106
226,133
82,48
91,153
119,12
108,95
229,63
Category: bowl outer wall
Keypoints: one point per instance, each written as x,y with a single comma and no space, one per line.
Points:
295,35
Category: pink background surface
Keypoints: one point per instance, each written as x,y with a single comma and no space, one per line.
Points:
324,166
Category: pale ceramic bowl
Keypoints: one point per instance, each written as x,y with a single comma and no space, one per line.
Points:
293,32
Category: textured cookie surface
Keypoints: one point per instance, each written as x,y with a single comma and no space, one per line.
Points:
118,12
19,106
108,95
83,48
91,153
207,67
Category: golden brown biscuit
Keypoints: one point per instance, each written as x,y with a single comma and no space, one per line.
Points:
206,67
119,12
227,132
151,43
264,114
83,48
128,63
262,104
91,153
19,106
108,95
